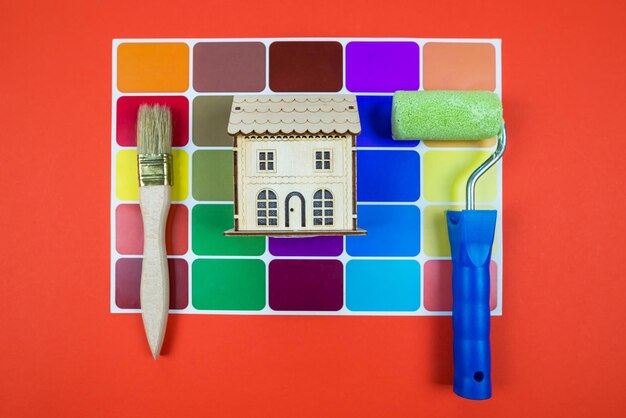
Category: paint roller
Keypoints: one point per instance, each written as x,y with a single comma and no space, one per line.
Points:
462,115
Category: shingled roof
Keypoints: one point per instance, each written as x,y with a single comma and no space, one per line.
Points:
288,114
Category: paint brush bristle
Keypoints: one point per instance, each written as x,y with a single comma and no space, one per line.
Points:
154,130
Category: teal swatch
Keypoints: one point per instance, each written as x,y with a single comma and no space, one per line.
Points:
383,285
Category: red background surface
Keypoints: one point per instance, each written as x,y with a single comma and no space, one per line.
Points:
559,349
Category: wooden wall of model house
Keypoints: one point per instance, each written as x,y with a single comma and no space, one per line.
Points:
295,168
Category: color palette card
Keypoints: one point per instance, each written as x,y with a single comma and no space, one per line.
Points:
401,267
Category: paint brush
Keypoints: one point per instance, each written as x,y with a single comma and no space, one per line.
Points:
154,147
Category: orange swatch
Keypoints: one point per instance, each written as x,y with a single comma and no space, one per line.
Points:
459,66
153,67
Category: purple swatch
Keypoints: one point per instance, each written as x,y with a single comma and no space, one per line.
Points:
382,67
306,285
310,246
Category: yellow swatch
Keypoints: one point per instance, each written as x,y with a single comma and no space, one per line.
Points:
436,242
483,143
127,183
446,174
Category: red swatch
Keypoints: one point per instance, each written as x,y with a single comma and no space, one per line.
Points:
126,121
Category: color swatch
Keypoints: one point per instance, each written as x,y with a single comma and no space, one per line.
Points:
382,66
459,66
306,66
307,246
378,177
210,115
401,267
228,285
152,67
127,185
383,285
128,273
306,285
438,285
375,115
229,66
129,230
392,231
126,122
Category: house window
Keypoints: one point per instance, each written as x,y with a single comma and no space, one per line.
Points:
323,207
323,160
266,208
267,161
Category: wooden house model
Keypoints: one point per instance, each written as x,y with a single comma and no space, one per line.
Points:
295,164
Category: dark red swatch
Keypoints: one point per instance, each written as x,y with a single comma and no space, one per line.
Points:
306,66
128,281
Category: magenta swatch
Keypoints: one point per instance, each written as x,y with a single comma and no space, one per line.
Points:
382,67
309,246
128,281
126,121
306,285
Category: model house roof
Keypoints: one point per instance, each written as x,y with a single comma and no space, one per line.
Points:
294,114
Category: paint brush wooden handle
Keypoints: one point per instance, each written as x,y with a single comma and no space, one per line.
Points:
155,286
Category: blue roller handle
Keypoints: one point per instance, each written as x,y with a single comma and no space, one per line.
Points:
471,234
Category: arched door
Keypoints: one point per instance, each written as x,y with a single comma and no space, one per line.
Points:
295,211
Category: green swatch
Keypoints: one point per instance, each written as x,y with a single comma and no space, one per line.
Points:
208,223
228,285
212,175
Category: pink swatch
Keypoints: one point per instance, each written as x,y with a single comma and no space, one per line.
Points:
438,285
129,230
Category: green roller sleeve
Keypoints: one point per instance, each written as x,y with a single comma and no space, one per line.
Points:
445,115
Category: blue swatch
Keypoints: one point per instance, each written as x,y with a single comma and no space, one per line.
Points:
388,176
383,285
392,231
375,115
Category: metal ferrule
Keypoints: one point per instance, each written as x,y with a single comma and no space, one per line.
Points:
155,169
470,201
